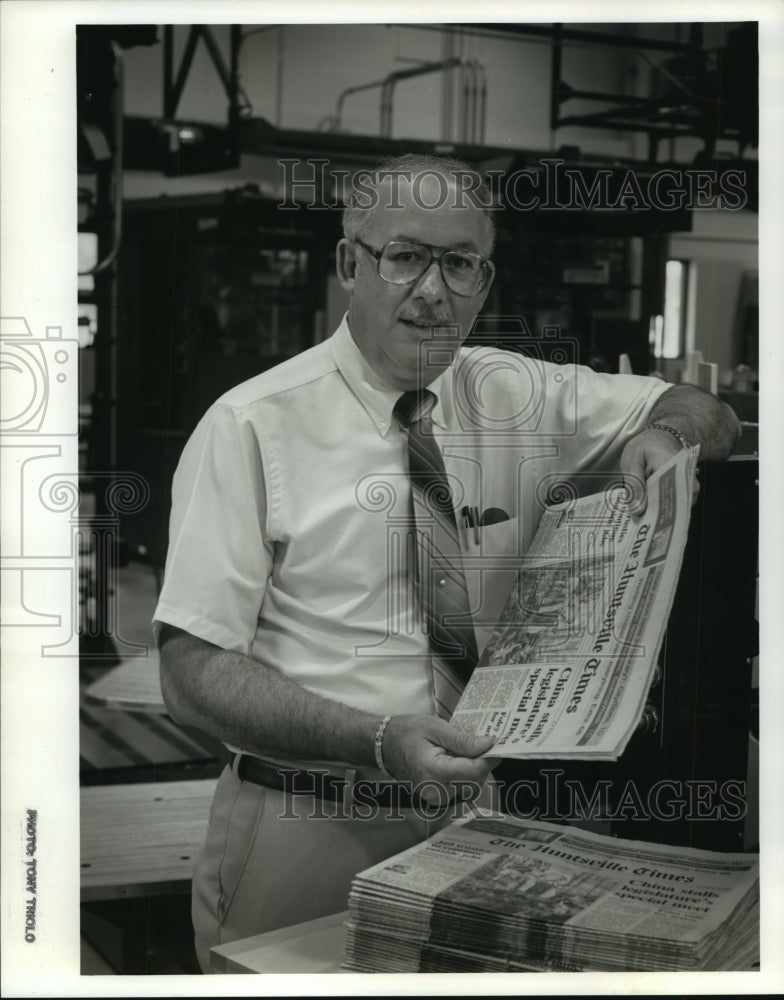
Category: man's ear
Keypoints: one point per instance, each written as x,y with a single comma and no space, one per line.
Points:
346,264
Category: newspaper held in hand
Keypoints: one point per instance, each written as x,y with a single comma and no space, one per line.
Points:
492,893
568,668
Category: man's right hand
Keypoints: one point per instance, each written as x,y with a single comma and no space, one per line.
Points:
244,703
425,749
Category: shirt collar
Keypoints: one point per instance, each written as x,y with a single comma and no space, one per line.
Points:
373,393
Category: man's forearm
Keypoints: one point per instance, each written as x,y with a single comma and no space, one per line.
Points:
256,709
251,706
701,418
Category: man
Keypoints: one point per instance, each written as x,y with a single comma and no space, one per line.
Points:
289,622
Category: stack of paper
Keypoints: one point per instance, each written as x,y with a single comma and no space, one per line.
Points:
493,893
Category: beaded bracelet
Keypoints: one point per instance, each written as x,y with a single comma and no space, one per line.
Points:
684,441
379,741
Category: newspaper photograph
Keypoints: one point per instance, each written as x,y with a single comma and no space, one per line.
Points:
537,895
568,668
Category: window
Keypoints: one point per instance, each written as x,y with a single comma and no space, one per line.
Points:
672,342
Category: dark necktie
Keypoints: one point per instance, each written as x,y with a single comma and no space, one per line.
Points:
440,579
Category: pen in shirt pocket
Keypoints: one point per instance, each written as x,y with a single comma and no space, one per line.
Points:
471,520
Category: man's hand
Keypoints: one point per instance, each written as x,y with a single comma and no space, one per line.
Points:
419,748
700,417
643,455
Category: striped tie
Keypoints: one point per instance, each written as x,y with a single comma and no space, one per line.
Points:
441,583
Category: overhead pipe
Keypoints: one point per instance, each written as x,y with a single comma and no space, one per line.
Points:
474,108
446,95
347,93
391,81
473,67
482,103
469,98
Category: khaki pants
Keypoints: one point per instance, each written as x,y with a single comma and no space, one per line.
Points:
272,860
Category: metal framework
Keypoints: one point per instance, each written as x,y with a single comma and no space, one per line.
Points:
229,75
683,112
691,104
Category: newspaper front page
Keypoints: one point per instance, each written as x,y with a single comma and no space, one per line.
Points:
568,668
536,895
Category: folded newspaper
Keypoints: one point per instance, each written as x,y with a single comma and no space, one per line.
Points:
492,893
568,668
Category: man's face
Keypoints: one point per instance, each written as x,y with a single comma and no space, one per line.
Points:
393,325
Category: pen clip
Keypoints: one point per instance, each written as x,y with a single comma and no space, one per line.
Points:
471,520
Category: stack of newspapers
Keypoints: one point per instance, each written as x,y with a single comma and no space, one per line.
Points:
492,893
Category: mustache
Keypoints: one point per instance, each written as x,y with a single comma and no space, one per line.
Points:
427,317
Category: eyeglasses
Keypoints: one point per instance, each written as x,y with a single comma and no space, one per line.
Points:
402,263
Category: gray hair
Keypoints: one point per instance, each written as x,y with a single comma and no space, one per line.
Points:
365,197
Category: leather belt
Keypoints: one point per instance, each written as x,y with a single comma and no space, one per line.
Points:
323,785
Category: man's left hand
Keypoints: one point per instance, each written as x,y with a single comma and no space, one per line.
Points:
643,455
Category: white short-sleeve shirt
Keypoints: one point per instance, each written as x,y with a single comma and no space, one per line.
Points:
290,499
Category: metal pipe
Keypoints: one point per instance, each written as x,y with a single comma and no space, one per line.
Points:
394,78
217,59
482,104
481,101
353,90
391,81
475,104
596,95
446,93
684,129
473,113
464,110
185,64
556,55
279,79
168,62
465,81
472,67
235,40
568,34
385,125
474,98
